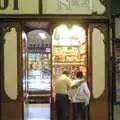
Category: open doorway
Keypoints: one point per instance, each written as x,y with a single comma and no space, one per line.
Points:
36,70
69,50
96,48
45,55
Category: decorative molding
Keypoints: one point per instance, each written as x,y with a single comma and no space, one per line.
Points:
98,61
4,28
103,29
10,64
78,7
105,3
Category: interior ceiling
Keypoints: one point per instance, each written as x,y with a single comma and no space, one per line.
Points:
37,25
34,28
35,39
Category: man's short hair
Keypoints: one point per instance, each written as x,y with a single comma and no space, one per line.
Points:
65,72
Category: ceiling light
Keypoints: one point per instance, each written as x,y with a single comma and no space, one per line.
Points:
42,36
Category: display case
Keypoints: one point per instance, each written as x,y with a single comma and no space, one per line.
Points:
39,71
70,58
38,66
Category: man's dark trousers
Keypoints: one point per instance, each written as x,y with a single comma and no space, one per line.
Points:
62,107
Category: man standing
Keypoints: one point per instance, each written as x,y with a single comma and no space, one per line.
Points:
62,84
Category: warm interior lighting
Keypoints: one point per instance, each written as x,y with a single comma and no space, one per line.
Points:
42,35
62,28
69,36
79,32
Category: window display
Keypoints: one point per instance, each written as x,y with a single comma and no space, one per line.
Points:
39,71
39,57
69,50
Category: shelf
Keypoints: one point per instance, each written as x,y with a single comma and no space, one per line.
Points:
70,45
66,63
66,46
81,54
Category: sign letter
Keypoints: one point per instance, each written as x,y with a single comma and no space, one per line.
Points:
5,4
15,5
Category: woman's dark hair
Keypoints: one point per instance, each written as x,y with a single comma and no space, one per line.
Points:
79,74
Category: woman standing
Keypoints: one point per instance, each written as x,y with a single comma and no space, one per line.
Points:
80,97
62,84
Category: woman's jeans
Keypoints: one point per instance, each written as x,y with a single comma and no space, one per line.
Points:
79,111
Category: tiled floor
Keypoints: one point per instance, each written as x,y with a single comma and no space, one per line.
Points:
42,112
37,112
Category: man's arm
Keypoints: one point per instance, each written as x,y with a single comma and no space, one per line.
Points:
73,83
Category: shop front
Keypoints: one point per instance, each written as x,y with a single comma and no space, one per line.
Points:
40,39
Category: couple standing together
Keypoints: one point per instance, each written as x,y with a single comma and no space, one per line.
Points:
78,92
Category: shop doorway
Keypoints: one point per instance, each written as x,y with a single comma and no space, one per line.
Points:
46,54
54,46
37,71
36,82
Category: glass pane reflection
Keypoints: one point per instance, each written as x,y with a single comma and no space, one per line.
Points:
39,71
39,55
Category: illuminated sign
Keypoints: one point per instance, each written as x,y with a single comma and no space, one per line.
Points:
81,7
5,4
54,7
15,7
